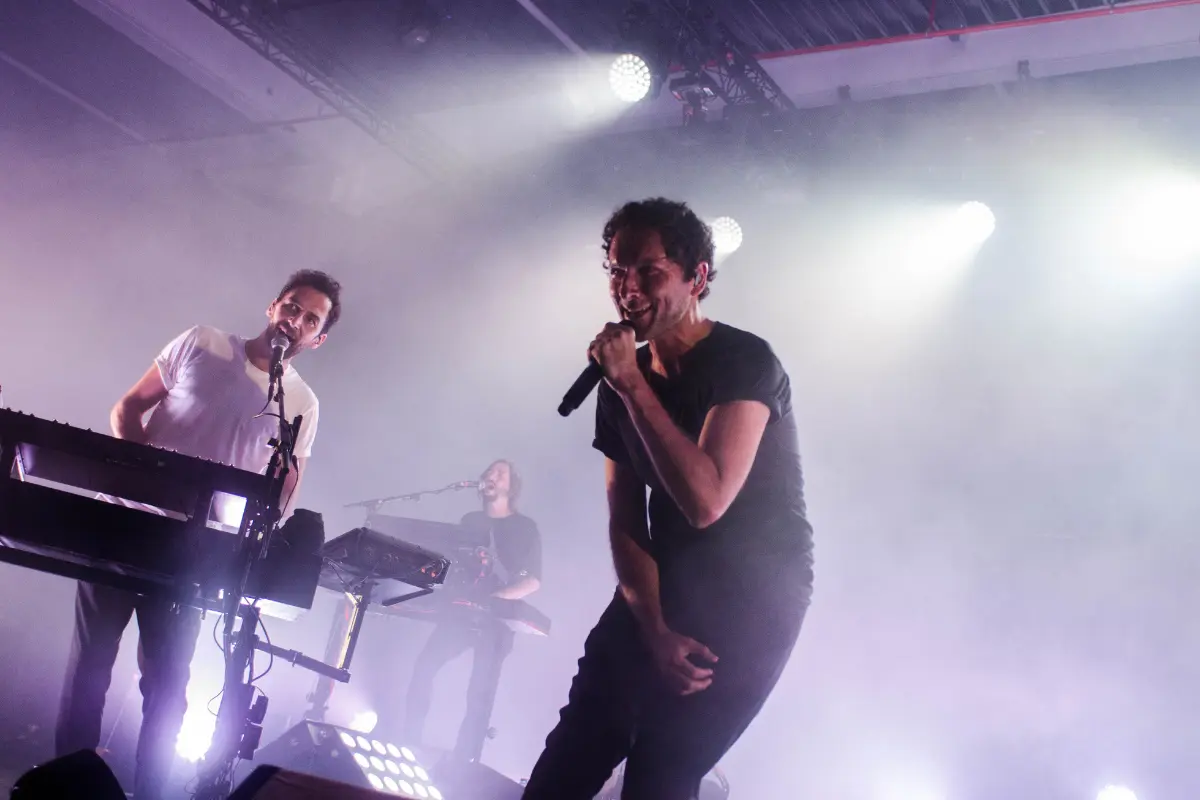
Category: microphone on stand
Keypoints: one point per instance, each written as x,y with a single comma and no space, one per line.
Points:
464,485
583,385
279,346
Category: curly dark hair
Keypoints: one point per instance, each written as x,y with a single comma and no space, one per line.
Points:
321,282
686,239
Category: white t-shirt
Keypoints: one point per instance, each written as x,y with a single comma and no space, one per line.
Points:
213,396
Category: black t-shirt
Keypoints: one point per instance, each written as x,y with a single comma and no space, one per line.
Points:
515,541
763,542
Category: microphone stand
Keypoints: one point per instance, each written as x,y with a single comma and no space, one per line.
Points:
373,505
348,618
240,716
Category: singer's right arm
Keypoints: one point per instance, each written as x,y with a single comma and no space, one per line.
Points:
127,414
637,573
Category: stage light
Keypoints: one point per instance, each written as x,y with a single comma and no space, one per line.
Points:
321,749
973,223
384,774
196,733
1116,793
629,77
727,235
364,722
1156,223
948,240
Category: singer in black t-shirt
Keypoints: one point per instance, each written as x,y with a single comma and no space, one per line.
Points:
512,555
714,570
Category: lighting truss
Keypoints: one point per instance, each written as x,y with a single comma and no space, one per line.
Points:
312,70
707,46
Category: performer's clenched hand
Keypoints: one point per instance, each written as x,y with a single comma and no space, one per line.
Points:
615,351
671,652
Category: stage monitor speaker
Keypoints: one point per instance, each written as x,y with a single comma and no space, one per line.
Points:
274,783
473,781
78,776
347,757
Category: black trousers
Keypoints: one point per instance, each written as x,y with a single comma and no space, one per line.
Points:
168,642
491,645
618,709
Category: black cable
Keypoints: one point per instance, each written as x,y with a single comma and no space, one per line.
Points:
271,655
217,641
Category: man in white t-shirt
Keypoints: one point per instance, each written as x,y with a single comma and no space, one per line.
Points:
205,391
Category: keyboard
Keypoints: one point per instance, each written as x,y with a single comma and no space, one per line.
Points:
51,521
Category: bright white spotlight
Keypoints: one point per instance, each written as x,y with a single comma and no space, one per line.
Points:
1157,225
195,735
364,722
973,223
727,235
629,77
1116,793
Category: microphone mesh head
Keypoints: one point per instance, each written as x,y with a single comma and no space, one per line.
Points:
281,341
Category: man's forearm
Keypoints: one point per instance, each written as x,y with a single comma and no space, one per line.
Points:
637,574
519,589
126,423
686,471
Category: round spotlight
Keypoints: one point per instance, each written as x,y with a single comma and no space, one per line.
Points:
364,722
1116,793
727,235
195,735
629,77
1155,226
974,222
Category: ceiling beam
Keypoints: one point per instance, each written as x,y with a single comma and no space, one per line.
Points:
46,83
941,60
558,33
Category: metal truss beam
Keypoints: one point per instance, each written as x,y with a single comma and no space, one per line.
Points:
708,46
301,62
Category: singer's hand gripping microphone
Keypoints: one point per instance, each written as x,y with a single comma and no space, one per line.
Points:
583,385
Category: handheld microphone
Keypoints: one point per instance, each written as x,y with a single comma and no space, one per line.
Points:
584,384
279,346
